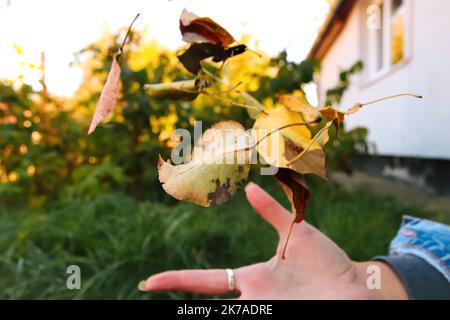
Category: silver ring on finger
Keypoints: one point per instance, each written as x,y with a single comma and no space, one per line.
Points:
231,278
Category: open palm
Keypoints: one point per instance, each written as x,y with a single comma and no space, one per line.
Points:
314,268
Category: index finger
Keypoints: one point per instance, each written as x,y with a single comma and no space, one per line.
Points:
268,208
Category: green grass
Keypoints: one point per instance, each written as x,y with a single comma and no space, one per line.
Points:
118,241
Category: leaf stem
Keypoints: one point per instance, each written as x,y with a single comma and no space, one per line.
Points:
392,97
215,77
128,33
233,88
297,157
272,132
283,256
237,104
210,94
254,52
287,126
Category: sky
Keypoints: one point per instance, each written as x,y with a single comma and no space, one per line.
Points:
61,28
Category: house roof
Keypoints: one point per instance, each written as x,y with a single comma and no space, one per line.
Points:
331,28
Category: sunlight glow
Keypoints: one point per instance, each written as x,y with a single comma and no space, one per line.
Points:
61,28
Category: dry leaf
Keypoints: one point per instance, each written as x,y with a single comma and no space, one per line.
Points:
208,40
333,114
186,90
110,91
207,180
295,188
108,97
282,146
299,103
322,136
199,51
195,29
338,116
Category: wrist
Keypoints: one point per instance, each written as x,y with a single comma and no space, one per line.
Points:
380,278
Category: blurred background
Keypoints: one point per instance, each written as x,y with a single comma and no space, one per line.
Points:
95,201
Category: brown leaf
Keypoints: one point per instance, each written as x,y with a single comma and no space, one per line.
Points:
338,116
110,91
195,29
199,51
295,188
354,108
333,114
108,97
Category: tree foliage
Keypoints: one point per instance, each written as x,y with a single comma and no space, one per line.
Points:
47,156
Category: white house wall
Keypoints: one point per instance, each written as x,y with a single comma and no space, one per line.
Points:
406,126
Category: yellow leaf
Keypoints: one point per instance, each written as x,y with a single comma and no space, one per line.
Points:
213,174
280,147
299,103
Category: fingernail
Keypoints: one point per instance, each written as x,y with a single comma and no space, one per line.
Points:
249,185
142,285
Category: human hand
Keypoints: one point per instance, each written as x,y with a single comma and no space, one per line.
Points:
314,268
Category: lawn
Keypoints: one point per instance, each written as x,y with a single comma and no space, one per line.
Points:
118,241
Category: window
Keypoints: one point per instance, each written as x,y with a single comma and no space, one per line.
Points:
397,32
379,42
386,42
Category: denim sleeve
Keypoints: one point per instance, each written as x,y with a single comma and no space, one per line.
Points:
420,255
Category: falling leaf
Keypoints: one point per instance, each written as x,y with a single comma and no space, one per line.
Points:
208,40
299,103
197,52
321,137
108,97
283,145
110,91
333,114
298,194
196,29
338,116
296,190
208,179
186,90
